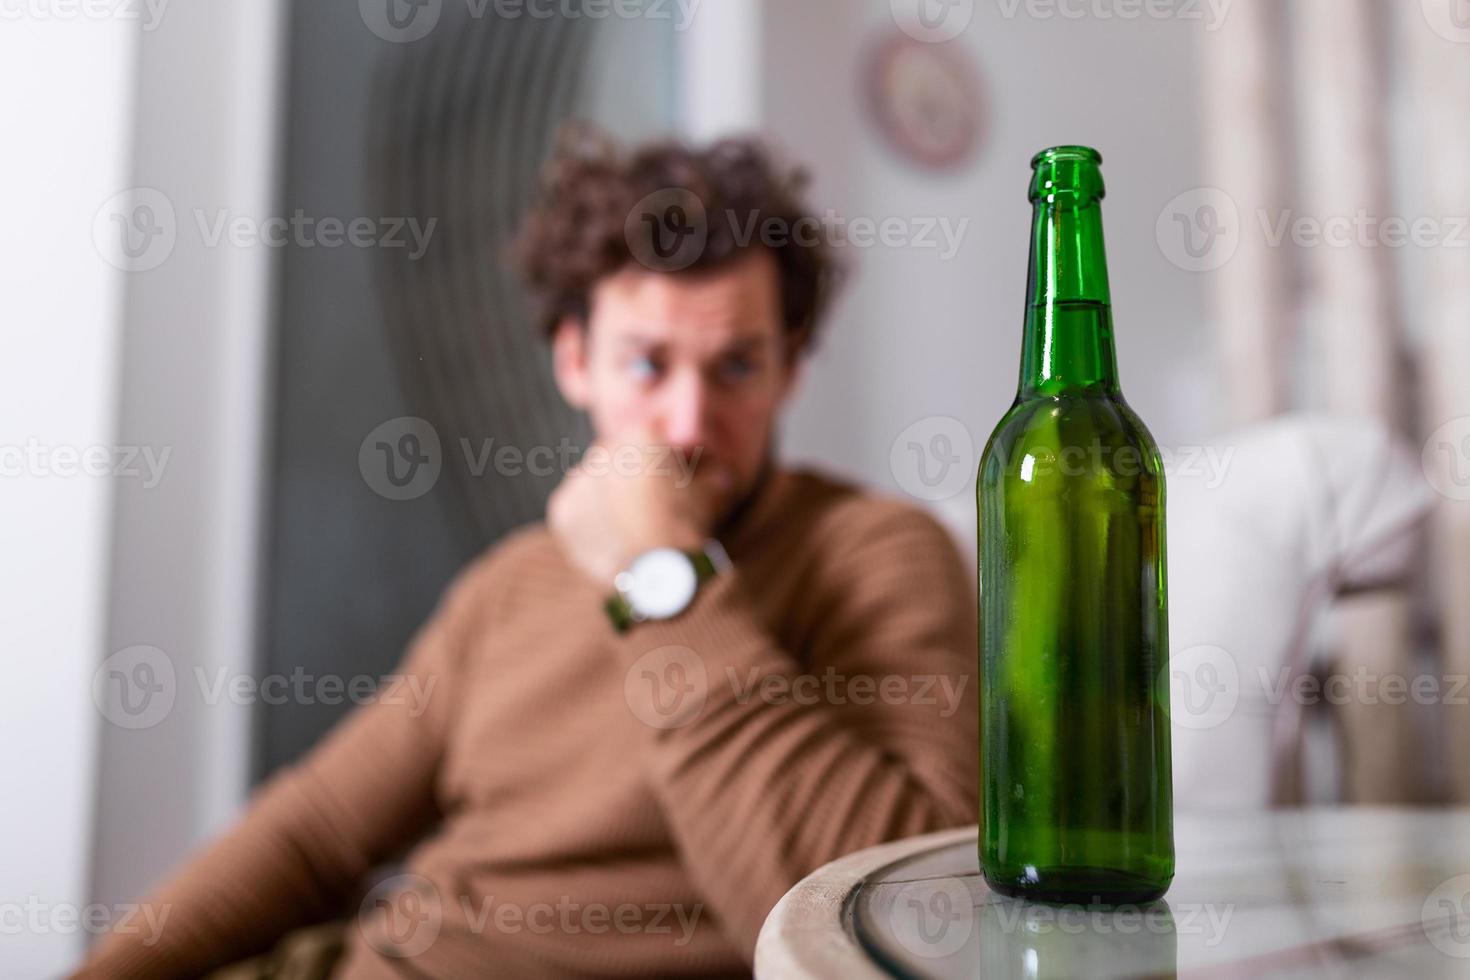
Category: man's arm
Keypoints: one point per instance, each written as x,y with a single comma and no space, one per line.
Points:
760,789
313,831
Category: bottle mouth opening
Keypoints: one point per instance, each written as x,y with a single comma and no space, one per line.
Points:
1069,176
1058,154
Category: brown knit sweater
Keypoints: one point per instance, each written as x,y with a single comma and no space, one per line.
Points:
613,805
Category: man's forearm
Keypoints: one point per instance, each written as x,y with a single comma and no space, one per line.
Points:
763,779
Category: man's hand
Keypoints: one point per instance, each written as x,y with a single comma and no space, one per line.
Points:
624,500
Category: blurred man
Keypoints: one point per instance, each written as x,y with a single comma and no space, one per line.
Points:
636,725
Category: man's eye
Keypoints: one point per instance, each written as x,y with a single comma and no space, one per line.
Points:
643,368
737,368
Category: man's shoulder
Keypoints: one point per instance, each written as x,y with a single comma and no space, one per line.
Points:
848,523
525,554
835,508
869,548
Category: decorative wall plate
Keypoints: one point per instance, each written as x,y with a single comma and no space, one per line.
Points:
925,100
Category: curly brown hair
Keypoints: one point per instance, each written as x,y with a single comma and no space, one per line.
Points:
601,208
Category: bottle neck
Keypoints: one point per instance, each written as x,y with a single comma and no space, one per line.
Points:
1069,321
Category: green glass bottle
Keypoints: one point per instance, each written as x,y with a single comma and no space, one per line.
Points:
1077,800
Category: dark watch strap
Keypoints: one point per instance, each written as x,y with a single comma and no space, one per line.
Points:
704,566
619,611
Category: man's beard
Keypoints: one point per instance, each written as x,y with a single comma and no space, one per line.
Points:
744,500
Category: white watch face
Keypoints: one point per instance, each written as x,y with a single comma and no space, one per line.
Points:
663,583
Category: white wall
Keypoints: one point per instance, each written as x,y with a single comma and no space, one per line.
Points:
66,114
917,337
194,382
107,354
719,78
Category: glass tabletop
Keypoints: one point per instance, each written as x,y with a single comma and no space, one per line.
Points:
1336,892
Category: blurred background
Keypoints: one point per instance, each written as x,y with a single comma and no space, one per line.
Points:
262,349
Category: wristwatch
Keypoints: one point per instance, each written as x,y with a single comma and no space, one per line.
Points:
660,584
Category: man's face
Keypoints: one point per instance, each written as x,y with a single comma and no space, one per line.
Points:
698,362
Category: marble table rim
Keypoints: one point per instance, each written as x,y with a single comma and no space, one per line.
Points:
797,939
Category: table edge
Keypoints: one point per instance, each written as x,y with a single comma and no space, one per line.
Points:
805,912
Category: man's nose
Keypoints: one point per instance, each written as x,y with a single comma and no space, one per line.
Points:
686,410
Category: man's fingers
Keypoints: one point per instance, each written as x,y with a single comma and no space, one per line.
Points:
711,487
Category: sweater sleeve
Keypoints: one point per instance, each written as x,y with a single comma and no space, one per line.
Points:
769,762
311,833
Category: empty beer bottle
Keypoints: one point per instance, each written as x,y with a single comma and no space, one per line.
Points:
1076,789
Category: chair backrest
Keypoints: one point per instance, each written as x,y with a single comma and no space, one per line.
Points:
1266,529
